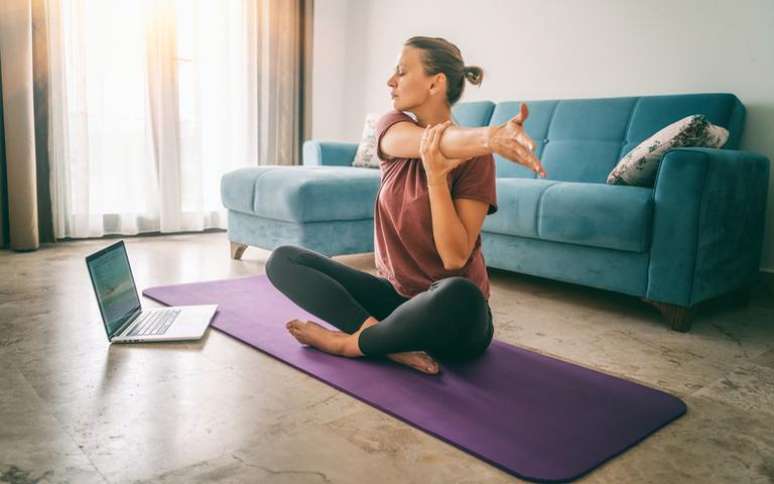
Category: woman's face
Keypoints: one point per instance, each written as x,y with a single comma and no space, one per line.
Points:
409,86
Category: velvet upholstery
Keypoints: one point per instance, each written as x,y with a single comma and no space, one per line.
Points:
597,215
473,114
695,235
615,270
330,153
708,226
312,194
517,207
330,238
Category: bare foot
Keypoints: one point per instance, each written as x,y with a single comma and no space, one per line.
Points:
312,334
419,360
343,344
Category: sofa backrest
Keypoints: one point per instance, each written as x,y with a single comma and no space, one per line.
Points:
583,139
473,114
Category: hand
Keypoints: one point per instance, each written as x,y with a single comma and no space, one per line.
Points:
511,142
437,166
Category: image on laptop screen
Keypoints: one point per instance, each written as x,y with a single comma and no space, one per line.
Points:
114,286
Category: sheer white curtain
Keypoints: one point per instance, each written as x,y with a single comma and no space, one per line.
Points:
151,101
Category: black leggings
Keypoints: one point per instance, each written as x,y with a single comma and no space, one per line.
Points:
450,321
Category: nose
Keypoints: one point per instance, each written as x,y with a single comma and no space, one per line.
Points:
391,81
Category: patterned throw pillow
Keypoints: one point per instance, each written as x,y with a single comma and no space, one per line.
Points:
639,166
366,150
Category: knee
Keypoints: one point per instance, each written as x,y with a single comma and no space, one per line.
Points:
457,286
278,258
460,292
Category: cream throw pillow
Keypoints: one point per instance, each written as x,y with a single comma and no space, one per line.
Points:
366,150
639,166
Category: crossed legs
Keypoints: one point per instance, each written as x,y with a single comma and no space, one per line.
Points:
450,320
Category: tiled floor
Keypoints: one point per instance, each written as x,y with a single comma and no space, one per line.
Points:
74,409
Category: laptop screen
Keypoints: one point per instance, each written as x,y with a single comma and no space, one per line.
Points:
113,283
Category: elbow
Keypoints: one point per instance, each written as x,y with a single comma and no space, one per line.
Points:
455,259
454,265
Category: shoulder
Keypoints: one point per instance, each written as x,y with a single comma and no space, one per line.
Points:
388,119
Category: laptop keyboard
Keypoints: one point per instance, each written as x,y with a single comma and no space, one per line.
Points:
153,323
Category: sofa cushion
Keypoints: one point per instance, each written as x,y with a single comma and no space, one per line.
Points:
473,114
654,112
517,201
302,193
365,156
584,138
598,215
590,214
576,139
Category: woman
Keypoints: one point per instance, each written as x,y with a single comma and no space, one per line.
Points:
429,300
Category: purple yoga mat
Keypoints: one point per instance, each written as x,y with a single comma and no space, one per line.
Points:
533,416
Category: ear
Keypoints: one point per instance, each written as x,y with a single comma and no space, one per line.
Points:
438,84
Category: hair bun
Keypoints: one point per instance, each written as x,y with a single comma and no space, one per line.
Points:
474,74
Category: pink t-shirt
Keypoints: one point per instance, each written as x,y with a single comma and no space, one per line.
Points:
405,250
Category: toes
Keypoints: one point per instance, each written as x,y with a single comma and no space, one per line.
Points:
430,364
294,327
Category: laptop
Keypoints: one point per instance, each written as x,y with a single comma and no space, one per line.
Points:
125,320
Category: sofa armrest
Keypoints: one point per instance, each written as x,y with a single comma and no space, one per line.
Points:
329,153
709,215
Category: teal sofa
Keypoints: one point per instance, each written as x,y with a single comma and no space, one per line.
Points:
697,234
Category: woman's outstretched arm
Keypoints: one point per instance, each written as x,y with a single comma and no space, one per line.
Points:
402,140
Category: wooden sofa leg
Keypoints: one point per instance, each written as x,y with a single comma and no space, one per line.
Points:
680,317
237,250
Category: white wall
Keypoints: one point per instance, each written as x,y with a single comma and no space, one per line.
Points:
334,31
329,45
554,49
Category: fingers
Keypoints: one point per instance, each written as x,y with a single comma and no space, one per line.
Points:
524,155
521,136
424,140
527,158
439,130
526,141
426,144
435,132
433,140
522,116
535,165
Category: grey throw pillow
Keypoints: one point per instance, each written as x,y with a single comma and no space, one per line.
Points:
366,150
639,166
